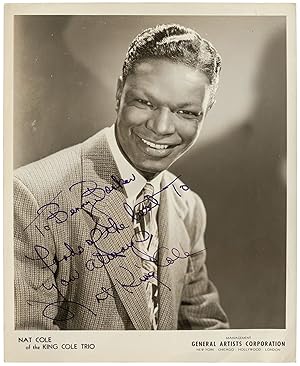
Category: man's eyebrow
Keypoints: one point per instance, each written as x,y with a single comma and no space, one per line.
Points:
134,92
145,94
186,104
140,93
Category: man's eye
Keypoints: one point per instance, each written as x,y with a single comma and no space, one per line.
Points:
189,114
144,102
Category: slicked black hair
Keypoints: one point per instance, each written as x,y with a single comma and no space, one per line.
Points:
177,44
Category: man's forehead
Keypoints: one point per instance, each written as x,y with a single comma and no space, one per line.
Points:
152,66
166,84
144,67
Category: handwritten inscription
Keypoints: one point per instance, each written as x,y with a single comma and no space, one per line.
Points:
92,251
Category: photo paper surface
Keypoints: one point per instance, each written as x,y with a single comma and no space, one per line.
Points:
151,174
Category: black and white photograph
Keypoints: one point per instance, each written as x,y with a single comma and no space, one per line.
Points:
152,171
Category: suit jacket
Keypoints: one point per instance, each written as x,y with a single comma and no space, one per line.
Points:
76,263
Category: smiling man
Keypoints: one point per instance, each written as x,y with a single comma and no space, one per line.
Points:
161,108
105,236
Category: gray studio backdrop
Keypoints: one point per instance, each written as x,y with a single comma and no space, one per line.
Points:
66,68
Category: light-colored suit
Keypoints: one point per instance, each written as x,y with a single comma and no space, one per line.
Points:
52,216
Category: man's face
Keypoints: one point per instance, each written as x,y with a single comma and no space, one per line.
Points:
161,110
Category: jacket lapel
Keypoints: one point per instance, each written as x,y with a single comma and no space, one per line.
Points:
124,271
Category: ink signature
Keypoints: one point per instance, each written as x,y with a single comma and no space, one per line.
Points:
128,284
57,305
105,225
55,214
96,194
136,213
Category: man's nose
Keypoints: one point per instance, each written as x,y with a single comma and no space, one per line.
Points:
161,122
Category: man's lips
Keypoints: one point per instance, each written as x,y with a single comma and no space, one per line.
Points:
155,145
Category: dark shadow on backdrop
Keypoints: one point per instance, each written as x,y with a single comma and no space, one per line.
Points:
241,182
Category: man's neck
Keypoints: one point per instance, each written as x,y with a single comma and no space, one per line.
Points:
147,175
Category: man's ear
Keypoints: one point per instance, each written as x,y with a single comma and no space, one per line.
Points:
119,91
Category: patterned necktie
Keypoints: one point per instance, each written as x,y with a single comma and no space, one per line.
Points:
145,222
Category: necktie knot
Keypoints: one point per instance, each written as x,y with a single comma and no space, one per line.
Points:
144,206
148,190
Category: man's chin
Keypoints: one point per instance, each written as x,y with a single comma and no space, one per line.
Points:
149,175
150,172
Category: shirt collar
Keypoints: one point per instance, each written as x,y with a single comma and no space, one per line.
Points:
126,169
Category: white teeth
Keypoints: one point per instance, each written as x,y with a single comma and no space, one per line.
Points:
155,146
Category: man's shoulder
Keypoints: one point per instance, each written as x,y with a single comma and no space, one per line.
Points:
60,168
53,168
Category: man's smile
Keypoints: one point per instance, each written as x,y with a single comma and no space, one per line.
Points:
154,145
153,149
